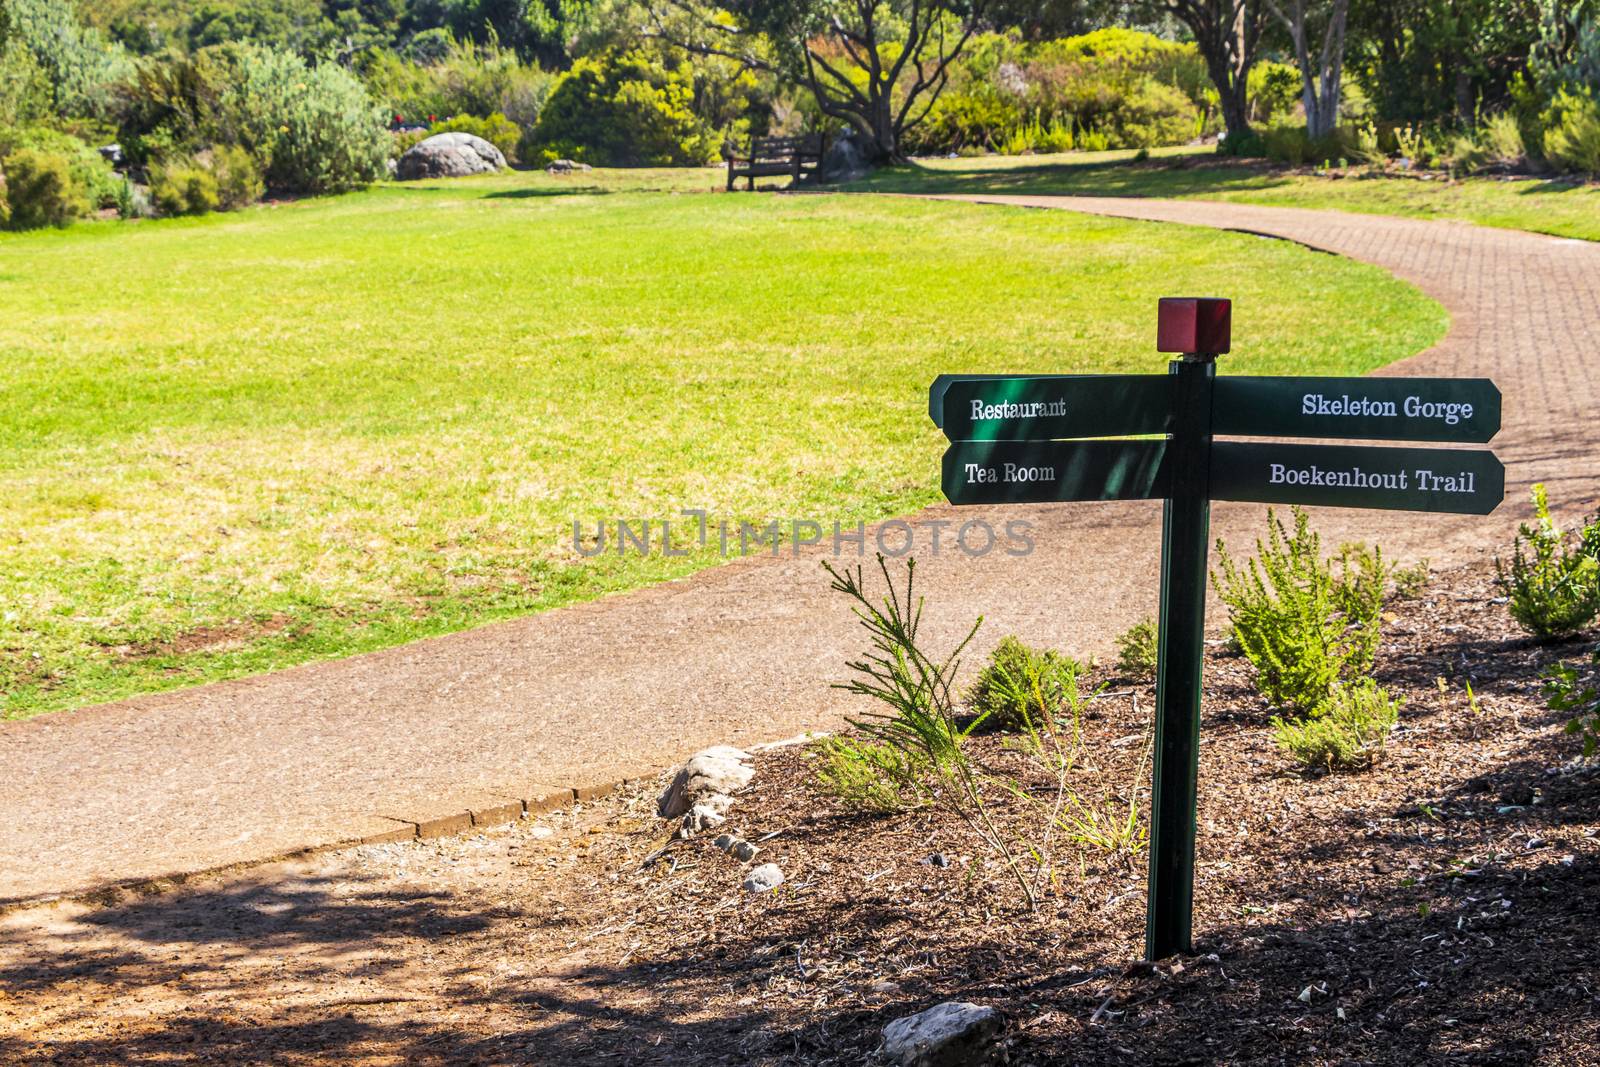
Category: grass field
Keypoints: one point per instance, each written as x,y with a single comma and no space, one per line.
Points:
1564,209
246,441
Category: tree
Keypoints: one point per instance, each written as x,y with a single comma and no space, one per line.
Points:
1228,34
1320,83
1432,60
877,66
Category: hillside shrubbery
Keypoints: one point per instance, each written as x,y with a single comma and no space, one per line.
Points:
623,109
1113,88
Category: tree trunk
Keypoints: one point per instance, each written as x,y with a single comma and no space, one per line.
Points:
1320,80
1226,33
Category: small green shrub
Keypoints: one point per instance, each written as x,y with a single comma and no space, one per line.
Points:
1554,586
496,129
1410,582
40,190
869,776
1501,136
183,189
1349,733
238,179
1578,695
1286,143
1572,133
91,174
1302,627
1021,685
1418,145
1093,141
913,709
1136,650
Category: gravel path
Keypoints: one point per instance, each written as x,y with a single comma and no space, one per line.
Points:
527,711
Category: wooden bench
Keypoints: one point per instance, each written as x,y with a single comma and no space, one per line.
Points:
775,157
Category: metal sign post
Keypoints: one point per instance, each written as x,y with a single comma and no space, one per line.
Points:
1019,439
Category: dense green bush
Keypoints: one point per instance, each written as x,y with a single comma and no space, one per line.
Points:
78,64
238,178
1572,133
1303,627
496,129
1553,586
25,95
1022,685
310,129
40,190
467,79
313,127
1348,733
90,172
1275,90
182,189
622,109
1113,88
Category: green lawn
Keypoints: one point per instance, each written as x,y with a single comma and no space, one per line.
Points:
246,441
1560,208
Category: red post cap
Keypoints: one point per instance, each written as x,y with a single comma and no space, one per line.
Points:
1194,324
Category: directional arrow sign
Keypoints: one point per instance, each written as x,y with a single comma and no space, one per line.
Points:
1012,472
1393,409
1465,481
1078,405
942,383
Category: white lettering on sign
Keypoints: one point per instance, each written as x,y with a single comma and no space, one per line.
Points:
977,472
1355,477
1038,409
1015,473
1449,414
1414,407
1446,483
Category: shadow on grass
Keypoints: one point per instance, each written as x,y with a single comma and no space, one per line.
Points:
528,194
1186,176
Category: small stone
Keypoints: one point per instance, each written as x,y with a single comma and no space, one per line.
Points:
937,859
951,1034
763,879
725,841
743,851
706,779
542,832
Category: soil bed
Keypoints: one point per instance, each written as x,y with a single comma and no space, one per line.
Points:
1442,907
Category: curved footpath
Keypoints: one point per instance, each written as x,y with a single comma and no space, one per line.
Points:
428,737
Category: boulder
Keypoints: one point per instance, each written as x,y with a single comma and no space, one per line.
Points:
952,1034
763,879
713,773
566,166
450,155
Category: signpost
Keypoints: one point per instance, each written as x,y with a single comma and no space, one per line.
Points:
1019,439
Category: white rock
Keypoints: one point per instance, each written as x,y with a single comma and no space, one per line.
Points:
449,155
766,877
717,771
951,1034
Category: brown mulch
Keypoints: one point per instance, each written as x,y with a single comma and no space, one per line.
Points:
1442,907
